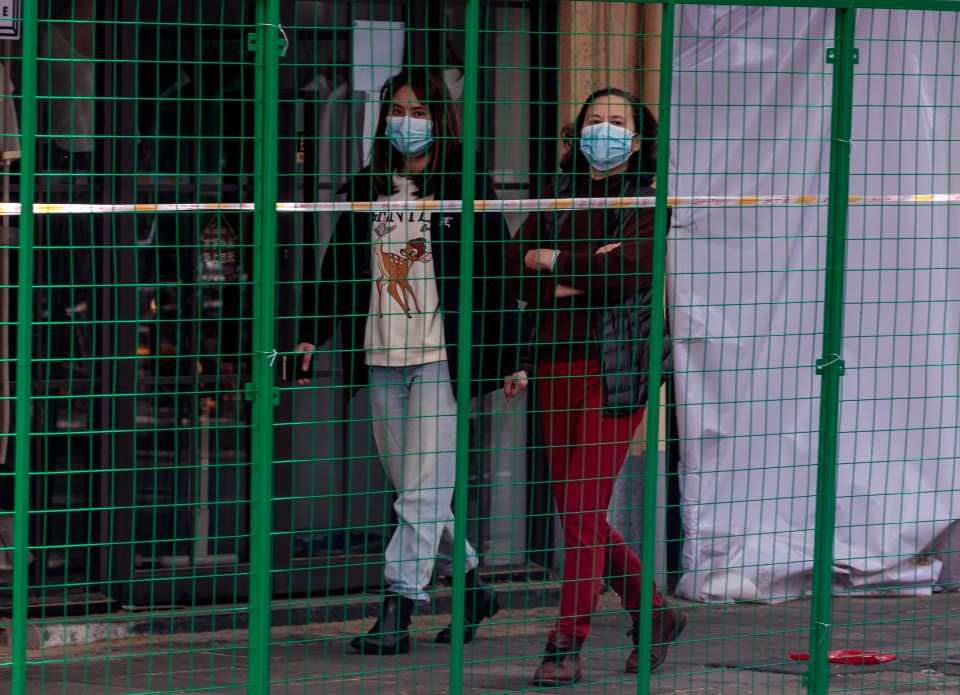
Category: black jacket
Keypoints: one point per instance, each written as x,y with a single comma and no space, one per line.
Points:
341,296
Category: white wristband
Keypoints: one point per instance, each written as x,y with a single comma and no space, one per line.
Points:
553,260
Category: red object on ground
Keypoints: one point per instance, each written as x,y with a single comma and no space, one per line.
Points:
853,657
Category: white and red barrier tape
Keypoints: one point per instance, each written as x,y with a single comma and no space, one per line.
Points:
8,209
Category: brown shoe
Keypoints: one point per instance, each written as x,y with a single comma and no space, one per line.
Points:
668,623
561,663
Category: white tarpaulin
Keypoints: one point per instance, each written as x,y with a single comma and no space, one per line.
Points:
752,92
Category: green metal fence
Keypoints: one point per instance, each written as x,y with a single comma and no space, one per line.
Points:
181,515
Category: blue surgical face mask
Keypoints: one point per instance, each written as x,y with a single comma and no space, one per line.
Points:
412,136
606,146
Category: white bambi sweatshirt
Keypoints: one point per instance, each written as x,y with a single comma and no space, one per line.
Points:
404,327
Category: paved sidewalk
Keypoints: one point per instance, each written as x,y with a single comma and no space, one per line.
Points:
735,649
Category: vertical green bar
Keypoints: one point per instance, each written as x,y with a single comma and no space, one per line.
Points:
264,268
658,283
25,248
831,366
464,339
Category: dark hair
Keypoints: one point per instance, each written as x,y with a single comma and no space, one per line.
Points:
643,162
431,91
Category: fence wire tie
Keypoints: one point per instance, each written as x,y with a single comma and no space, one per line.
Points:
272,354
826,632
283,35
829,360
852,143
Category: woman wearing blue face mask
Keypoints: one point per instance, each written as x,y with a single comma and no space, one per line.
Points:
390,282
587,275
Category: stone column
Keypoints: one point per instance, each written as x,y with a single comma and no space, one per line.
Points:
600,46
652,24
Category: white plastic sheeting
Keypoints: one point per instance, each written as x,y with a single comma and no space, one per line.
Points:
752,94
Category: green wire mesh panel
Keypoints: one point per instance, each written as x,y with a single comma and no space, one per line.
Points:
897,536
10,148
339,456
335,510
256,335
332,506
752,116
140,447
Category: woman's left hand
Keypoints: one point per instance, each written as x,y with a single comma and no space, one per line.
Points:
608,248
514,385
565,292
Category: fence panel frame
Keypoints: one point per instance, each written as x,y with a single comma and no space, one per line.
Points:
30,34
830,365
267,41
651,465
471,71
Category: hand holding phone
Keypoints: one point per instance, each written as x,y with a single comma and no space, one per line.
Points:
303,363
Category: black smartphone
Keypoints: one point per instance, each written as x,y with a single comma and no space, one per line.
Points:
298,371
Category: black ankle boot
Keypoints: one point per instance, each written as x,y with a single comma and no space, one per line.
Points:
481,603
561,664
389,634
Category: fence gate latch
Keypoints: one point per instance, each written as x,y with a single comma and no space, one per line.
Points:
832,56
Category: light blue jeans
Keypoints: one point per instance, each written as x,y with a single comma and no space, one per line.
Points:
415,426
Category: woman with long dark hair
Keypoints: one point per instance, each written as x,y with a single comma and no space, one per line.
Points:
390,280
587,274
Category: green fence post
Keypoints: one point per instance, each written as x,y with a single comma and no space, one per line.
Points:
830,366
651,467
25,247
464,338
265,42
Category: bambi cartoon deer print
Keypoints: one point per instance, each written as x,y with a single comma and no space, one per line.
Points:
394,269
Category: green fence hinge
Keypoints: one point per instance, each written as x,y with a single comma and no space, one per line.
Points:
831,361
253,43
832,56
806,679
250,393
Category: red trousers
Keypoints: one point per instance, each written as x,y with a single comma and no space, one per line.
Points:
585,450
